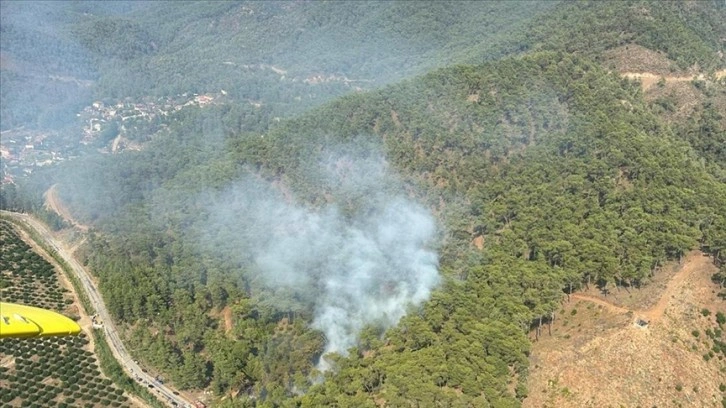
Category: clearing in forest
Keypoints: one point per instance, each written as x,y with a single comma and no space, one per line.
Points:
598,357
53,203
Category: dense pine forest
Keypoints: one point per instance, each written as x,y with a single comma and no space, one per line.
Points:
542,171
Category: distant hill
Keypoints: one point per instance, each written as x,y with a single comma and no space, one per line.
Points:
286,54
294,55
232,45
205,47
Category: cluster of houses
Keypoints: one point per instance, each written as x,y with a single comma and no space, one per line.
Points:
23,150
129,113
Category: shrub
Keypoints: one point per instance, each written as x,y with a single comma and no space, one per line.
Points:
679,387
720,318
695,333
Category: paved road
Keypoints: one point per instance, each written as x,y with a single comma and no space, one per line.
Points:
163,392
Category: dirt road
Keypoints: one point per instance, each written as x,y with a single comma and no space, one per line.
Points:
53,203
164,393
610,306
694,261
649,79
598,357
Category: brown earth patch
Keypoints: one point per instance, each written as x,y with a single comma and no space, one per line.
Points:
678,98
478,242
53,203
636,58
682,99
394,118
597,357
649,79
637,299
227,316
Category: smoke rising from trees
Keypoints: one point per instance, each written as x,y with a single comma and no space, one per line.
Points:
362,259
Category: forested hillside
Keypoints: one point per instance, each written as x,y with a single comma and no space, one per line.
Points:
291,56
58,57
47,74
544,170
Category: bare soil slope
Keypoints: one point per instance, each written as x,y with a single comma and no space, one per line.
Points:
664,84
636,58
598,356
53,203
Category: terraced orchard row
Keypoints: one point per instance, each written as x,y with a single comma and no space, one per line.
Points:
25,277
45,372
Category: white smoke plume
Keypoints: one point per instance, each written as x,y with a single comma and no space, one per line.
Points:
363,259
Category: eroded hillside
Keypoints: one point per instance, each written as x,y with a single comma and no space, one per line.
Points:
625,350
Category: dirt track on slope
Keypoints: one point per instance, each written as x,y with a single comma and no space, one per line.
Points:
648,79
694,261
597,357
53,202
610,306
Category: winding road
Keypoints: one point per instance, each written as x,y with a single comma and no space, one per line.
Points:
608,305
648,79
54,204
164,392
695,261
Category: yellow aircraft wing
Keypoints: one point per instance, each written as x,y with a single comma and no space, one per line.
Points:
27,321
